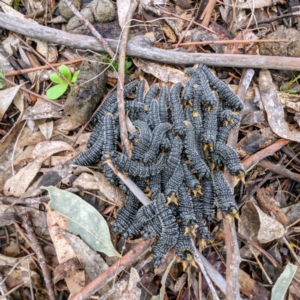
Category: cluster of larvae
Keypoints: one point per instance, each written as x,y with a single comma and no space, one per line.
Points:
179,152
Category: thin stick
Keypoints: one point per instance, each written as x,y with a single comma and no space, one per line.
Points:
208,12
40,255
279,170
33,93
25,71
233,258
185,19
44,60
186,30
141,47
234,42
119,266
91,28
258,156
199,262
120,85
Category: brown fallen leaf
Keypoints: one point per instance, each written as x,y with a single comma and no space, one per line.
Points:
111,192
164,73
56,223
7,97
268,204
258,226
42,111
274,108
18,184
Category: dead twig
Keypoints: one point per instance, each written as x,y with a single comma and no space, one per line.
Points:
121,73
232,42
206,15
279,170
44,60
40,255
260,155
91,28
119,266
141,47
33,93
29,70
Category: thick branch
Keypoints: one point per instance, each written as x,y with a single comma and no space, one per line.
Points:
140,47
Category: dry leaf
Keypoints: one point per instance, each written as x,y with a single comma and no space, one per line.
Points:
258,226
123,7
43,111
7,96
274,108
164,73
56,222
18,184
111,192
46,129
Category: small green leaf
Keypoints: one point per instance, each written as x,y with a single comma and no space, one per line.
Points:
2,85
56,91
291,91
128,64
83,219
54,77
161,295
283,282
75,76
63,69
2,75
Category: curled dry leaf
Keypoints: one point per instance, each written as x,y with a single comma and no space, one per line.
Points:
164,73
18,184
42,111
64,251
258,226
111,192
46,129
274,108
7,96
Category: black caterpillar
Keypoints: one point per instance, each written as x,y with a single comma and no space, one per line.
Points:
176,109
230,99
223,192
170,161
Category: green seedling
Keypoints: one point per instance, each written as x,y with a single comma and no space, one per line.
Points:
290,91
2,84
115,64
61,85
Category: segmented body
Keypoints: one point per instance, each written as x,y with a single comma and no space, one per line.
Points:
155,184
151,94
176,109
144,140
139,97
207,199
224,131
197,163
229,158
169,233
153,228
223,192
157,136
126,214
124,164
174,157
185,207
163,110
204,94
93,154
143,215
210,126
174,182
188,90
230,99
153,116
184,245
190,179
197,123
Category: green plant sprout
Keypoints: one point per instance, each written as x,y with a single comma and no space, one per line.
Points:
115,64
2,84
61,85
291,91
